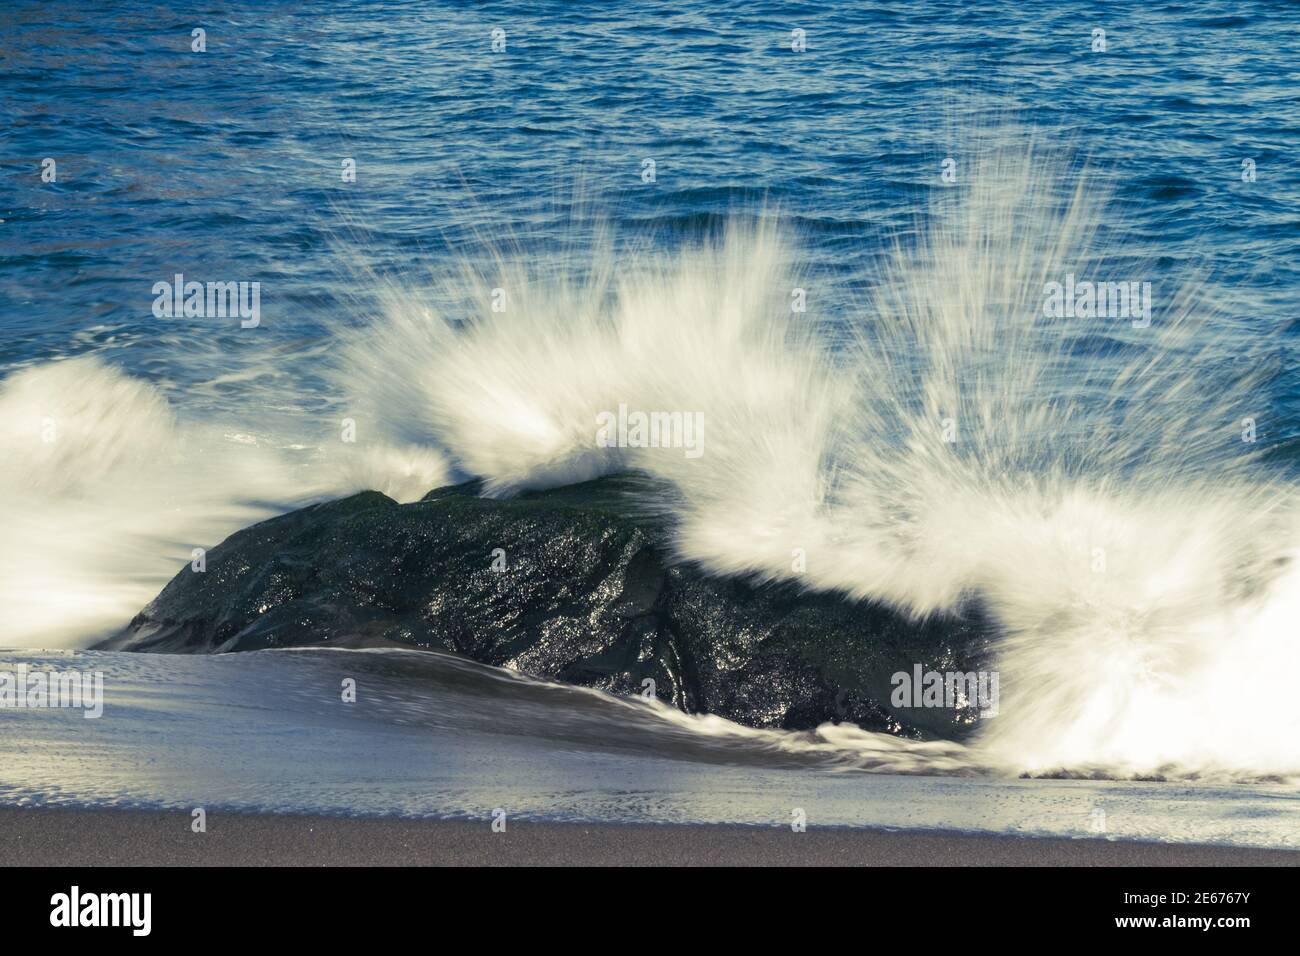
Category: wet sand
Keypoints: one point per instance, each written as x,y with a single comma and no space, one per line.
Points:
66,837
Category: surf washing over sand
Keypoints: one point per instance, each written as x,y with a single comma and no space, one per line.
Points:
1084,479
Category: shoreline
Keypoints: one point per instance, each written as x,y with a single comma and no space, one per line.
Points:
59,836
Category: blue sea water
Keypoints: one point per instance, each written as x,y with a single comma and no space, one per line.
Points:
226,164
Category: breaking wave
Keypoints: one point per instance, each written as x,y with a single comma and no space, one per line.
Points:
1083,479
105,491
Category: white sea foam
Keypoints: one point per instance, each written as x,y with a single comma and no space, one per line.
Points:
105,494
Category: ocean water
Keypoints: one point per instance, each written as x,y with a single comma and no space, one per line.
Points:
519,177
227,164
430,735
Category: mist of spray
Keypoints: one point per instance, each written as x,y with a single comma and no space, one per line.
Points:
1085,480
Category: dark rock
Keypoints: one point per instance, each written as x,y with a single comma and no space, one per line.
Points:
588,596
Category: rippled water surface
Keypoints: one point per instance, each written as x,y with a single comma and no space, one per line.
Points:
227,164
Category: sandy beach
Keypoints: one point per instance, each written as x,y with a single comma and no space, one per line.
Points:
66,837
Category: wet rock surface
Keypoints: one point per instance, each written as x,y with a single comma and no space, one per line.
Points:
582,591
